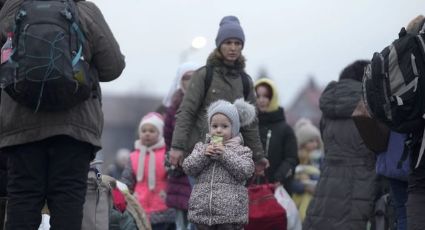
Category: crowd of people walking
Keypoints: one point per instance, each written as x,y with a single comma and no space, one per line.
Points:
218,141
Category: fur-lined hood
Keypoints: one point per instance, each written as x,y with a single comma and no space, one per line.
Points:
216,59
416,24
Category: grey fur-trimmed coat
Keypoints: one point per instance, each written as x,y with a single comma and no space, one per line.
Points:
219,195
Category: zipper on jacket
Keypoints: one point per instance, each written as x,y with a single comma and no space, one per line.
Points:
269,136
211,193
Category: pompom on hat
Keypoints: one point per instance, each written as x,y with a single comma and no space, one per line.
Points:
240,113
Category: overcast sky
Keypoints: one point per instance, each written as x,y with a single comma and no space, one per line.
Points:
292,39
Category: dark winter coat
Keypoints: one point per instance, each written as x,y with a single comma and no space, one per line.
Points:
84,122
178,192
3,174
219,195
191,124
170,117
178,186
280,144
345,192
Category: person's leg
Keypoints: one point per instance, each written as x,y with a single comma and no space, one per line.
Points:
399,195
26,186
180,222
3,174
305,201
3,202
68,167
416,197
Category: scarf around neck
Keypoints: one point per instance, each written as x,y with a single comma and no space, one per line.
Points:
151,170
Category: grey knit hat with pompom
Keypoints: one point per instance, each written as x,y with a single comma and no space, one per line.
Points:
240,113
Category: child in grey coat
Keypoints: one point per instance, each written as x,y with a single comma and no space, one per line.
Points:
221,167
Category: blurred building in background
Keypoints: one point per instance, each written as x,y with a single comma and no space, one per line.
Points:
122,116
306,104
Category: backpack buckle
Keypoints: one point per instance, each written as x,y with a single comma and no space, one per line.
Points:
20,15
67,14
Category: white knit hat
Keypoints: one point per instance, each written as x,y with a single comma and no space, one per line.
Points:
240,113
154,119
305,131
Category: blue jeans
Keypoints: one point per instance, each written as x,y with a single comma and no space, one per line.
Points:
399,195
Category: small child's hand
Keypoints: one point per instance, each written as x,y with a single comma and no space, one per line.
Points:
210,150
218,149
214,150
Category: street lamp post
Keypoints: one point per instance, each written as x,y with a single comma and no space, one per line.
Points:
197,44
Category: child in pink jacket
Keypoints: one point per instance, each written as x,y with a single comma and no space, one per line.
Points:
146,175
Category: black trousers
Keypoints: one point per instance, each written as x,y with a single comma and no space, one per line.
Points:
53,170
3,174
416,197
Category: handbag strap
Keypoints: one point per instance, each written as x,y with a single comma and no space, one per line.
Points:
256,179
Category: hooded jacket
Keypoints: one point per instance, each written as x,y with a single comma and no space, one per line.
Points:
153,200
191,120
177,82
219,195
345,192
279,141
174,100
84,122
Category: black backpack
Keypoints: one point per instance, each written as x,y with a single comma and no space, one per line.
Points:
393,84
209,77
50,72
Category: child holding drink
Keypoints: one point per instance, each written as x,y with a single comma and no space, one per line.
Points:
221,166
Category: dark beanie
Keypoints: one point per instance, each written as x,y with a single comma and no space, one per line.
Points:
229,28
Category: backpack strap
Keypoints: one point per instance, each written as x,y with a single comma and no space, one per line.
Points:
72,16
209,77
246,85
406,151
422,149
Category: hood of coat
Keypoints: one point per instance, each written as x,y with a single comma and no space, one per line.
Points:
177,81
271,117
274,101
340,98
216,59
182,70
